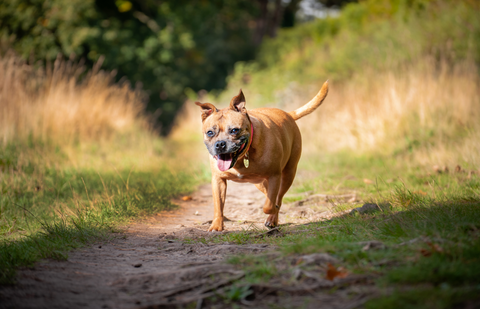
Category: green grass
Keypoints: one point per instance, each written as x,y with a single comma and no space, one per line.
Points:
53,240
48,207
429,225
427,297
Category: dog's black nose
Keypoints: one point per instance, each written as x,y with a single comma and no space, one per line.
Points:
221,145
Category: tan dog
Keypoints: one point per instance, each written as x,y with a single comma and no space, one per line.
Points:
261,146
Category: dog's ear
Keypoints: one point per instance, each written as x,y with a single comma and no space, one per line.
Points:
207,109
238,103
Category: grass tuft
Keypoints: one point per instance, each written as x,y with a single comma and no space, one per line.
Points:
53,240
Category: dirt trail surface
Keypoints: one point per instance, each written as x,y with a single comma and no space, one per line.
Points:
151,265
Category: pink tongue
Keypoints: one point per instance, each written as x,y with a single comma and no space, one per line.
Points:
223,165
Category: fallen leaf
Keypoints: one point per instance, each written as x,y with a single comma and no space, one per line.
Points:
435,247
367,181
425,252
187,198
334,272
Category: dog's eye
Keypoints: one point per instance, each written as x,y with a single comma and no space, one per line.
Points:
210,133
234,131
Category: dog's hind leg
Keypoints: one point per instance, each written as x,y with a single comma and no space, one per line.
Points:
273,185
288,175
263,186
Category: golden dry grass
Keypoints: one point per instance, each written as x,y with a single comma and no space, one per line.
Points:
64,103
431,111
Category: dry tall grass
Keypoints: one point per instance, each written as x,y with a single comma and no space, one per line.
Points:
64,103
430,112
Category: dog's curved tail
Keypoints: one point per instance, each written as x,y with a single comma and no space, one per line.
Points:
312,105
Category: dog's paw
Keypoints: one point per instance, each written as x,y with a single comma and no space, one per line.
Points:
215,229
217,225
272,221
269,225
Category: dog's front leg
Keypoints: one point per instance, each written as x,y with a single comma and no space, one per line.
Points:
270,206
219,189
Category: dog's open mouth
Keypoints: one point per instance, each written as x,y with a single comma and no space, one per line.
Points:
226,161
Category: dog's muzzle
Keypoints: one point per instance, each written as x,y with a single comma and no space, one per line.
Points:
226,161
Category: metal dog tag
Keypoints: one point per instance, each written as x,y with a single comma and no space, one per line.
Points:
246,162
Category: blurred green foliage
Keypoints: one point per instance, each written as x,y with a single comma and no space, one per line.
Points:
165,46
371,35
382,33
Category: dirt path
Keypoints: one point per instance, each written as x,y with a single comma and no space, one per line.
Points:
149,265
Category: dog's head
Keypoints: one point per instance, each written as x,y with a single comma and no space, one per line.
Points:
227,132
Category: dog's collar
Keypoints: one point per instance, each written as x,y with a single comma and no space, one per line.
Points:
251,137
246,160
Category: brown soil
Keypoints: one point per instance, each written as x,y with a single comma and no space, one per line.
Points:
150,265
